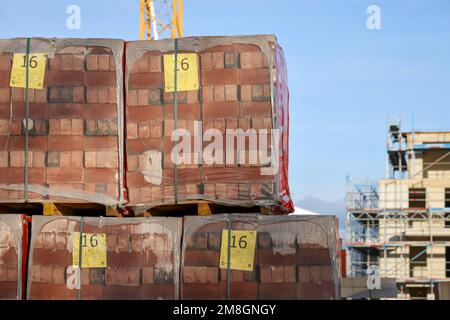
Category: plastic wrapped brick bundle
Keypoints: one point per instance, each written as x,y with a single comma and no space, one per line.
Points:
13,255
74,146
218,133
121,258
291,257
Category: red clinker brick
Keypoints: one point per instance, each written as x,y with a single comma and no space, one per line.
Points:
277,291
100,112
65,143
9,256
64,175
3,273
271,258
103,62
253,76
8,291
189,274
313,257
132,98
224,76
124,259
123,243
111,242
64,78
100,143
201,258
257,59
246,60
212,275
5,62
147,275
78,62
100,78
277,274
219,93
206,61
92,62
214,240
121,293
200,274
44,291
264,240
314,291
220,110
316,274
134,277
217,60
327,273
202,292
265,274
49,240
146,80
58,275
46,274
136,242
304,274
116,276
244,291
100,176
12,273
158,291
44,257
92,292
289,274
232,59
4,79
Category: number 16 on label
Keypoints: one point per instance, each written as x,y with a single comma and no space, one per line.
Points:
187,72
36,70
242,249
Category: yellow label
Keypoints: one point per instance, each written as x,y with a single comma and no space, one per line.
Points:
242,249
93,248
187,72
36,63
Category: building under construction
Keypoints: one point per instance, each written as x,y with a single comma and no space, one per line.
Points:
402,224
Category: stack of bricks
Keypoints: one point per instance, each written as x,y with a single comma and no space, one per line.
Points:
235,92
73,152
142,259
150,123
12,254
294,259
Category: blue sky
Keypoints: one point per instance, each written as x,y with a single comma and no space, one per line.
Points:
344,79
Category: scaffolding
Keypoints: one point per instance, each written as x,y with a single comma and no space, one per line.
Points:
396,225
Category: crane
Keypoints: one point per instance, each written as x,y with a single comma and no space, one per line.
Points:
159,17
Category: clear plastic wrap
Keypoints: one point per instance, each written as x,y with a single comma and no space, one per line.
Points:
142,258
231,131
75,123
13,255
296,257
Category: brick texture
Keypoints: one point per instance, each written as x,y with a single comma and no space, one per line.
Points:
13,230
142,259
71,118
235,94
281,270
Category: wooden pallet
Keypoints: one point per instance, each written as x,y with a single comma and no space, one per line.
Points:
201,208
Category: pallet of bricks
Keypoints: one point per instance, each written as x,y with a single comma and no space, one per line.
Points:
13,255
230,113
73,109
293,257
120,258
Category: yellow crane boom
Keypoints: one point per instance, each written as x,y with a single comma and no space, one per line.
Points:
161,16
